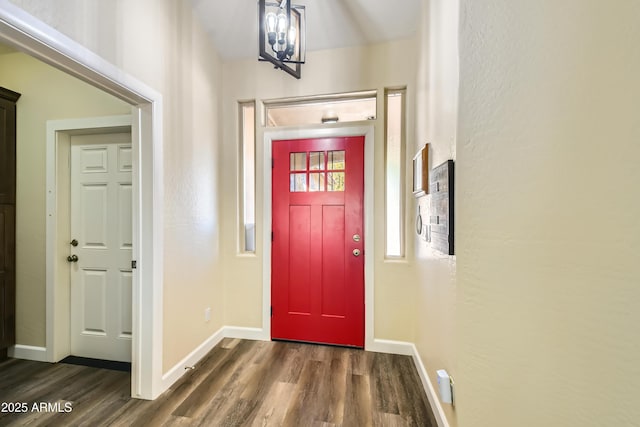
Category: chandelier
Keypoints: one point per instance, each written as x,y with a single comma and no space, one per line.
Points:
282,35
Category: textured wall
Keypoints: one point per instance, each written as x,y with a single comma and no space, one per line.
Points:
330,71
161,43
436,123
45,96
548,214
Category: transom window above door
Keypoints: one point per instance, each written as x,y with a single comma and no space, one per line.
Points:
315,171
321,109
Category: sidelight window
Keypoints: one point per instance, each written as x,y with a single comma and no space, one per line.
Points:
247,176
394,172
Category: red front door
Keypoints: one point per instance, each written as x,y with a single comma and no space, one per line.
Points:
317,264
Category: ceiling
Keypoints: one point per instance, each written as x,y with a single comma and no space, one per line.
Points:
331,24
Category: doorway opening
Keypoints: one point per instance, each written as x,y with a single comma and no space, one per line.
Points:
89,238
25,33
365,130
317,282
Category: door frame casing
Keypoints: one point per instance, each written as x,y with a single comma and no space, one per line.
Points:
26,33
365,129
58,173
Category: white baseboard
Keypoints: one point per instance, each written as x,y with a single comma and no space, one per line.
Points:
257,334
409,349
191,359
28,352
392,347
377,345
434,401
174,374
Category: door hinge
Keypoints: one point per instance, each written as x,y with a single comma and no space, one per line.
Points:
134,264
271,311
272,236
272,163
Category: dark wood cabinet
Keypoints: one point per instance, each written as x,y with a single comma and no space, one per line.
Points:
8,101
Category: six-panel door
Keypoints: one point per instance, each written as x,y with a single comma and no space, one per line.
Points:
101,279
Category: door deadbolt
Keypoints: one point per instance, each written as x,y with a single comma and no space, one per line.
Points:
356,237
73,243
72,258
356,252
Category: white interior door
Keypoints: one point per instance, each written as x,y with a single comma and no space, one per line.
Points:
101,197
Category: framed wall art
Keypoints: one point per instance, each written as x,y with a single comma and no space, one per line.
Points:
421,172
441,217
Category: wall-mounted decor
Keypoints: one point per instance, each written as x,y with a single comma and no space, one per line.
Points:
422,228
421,172
441,216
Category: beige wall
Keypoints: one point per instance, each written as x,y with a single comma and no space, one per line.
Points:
537,317
437,101
341,70
47,94
162,44
548,209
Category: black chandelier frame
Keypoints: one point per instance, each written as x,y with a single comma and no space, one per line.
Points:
291,64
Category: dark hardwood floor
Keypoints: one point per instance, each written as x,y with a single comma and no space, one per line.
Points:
239,383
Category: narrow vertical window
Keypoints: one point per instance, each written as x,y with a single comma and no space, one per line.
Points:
394,172
247,196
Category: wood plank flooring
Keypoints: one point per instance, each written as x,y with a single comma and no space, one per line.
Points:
239,383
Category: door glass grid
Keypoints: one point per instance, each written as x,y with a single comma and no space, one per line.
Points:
298,182
298,161
316,181
336,160
324,171
335,181
316,160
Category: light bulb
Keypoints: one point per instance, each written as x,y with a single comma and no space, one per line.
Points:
292,35
270,24
282,28
291,42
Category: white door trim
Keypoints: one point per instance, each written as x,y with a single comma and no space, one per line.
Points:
57,227
366,130
28,34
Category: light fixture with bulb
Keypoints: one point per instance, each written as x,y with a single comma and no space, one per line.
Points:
329,116
282,35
